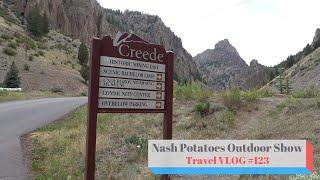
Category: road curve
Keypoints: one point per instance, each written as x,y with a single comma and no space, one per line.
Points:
20,117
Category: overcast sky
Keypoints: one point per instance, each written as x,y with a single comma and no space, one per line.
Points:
266,30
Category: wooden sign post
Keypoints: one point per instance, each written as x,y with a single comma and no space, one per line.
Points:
128,75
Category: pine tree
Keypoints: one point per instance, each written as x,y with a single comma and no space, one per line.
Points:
85,73
37,24
281,85
288,87
83,54
12,79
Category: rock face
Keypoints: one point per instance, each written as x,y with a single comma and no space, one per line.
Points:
256,76
316,39
85,19
222,68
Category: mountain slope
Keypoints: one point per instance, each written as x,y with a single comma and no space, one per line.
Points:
305,72
219,66
222,68
302,75
84,19
50,63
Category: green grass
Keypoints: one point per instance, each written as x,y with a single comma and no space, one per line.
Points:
192,91
11,96
309,92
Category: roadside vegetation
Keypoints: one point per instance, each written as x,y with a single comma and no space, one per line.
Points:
58,149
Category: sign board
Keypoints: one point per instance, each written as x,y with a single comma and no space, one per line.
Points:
128,75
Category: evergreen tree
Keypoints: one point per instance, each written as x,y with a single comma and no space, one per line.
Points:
12,79
83,54
37,24
45,24
288,87
85,73
281,85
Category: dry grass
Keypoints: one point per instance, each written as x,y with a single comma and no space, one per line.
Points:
58,149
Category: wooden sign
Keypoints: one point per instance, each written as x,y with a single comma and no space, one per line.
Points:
128,75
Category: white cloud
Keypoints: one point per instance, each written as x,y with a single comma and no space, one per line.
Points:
267,30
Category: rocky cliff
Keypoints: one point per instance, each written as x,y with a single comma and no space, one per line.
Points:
222,68
84,19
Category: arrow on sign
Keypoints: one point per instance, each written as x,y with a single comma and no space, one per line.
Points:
159,86
159,95
159,77
158,105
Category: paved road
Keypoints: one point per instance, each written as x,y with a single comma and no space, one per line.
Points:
20,117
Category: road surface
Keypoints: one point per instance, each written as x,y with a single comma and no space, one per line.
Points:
20,117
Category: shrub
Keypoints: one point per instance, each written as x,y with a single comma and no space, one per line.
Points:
31,58
189,91
265,93
26,67
83,94
281,105
41,46
57,89
4,93
31,44
12,79
138,141
12,45
53,63
9,51
202,108
251,96
40,53
6,37
232,99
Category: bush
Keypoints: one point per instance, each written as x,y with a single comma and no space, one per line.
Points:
265,93
192,91
9,51
4,93
40,53
6,37
142,143
31,44
31,58
251,96
26,67
57,89
202,108
232,99
12,45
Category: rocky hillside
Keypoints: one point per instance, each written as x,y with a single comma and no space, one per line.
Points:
302,76
305,73
49,64
84,19
222,68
